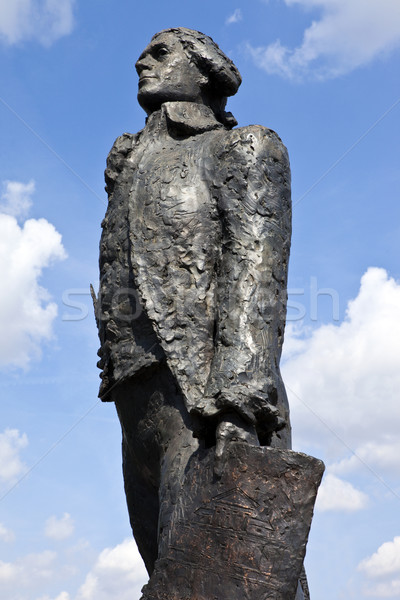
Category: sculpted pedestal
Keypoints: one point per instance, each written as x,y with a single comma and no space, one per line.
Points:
239,536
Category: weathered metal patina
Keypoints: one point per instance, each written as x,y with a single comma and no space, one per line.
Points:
191,314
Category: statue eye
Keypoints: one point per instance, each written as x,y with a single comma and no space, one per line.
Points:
161,52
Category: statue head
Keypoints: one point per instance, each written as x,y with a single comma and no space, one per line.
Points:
185,65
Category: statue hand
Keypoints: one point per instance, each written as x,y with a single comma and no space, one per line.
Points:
251,406
231,428
212,406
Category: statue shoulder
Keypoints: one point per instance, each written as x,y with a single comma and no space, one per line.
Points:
123,144
116,158
254,173
257,140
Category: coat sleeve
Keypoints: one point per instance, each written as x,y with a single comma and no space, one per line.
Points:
114,334
255,209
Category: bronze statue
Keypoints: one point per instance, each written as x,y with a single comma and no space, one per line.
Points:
191,314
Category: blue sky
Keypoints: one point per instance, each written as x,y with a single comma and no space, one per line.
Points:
323,74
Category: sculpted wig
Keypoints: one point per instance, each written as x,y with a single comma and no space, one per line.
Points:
222,75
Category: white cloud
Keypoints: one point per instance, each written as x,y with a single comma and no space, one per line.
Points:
33,575
385,561
338,495
382,456
343,381
25,572
11,466
16,198
59,529
42,20
384,565
26,314
118,573
6,534
62,596
235,17
348,34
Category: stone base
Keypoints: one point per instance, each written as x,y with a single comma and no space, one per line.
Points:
242,536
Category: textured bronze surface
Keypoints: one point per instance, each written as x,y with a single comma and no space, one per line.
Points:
242,535
191,314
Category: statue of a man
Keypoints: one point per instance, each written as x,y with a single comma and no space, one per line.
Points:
193,264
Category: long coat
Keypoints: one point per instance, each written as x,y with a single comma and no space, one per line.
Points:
193,263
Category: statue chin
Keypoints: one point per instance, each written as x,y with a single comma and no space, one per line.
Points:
150,102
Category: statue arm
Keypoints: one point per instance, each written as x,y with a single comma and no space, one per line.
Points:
113,272
255,210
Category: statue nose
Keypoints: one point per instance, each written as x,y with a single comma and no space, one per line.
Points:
143,64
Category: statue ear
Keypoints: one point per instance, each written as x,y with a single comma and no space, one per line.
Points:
204,81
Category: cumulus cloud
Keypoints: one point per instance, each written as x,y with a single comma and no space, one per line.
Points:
343,380
385,561
44,21
6,535
62,596
31,576
347,34
11,443
382,456
119,572
383,566
338,495
25,572
59,529
16,198
26,313
235,17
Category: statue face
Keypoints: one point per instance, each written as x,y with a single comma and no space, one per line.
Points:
165,74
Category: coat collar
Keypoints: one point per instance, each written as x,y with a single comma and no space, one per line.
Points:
186,118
